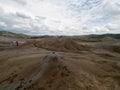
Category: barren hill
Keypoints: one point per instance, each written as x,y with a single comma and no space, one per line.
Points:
60,44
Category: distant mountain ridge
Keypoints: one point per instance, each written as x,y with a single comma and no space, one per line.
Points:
116,36
13,35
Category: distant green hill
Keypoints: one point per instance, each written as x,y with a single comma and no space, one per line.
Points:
97,38
115,36
13,35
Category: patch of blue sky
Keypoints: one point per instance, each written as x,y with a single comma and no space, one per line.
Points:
86,5
103,20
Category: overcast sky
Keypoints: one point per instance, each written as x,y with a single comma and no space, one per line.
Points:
60,17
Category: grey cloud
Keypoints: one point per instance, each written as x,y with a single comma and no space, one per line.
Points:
40,18
1,10
21,23
22,2
22,15
111,8
112,26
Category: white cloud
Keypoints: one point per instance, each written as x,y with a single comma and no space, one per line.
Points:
61,16
112,7
112,26
22,26
3,24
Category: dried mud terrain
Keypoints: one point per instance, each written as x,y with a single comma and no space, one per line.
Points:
59,64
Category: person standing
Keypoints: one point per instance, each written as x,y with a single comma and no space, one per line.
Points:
17,43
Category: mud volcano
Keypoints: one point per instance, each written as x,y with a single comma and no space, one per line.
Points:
54,74
61,44
52,71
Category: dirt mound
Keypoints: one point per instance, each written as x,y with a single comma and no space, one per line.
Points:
60,44
49,71
55,71
113,48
